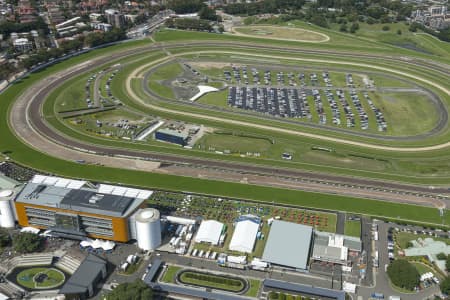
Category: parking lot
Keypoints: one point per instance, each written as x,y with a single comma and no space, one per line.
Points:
300,95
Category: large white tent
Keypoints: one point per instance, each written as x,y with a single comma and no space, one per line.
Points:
244,236
209,232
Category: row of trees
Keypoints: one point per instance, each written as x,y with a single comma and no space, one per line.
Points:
325,12
7,27
443,35
24,242
90,40
264,7
136,290
190,24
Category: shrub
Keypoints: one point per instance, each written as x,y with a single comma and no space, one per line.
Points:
386,28
441,256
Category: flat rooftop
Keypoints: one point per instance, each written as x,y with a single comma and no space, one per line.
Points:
84,199
107,200
84,276
288,244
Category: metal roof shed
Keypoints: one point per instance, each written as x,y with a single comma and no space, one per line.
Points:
288,245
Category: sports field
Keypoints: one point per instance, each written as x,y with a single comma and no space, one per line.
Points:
282,33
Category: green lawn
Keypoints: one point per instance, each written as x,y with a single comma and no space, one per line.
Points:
422,269
168,71
27,278
74,96
161,89
403,238
406,113
210,280
253,290
169,274
216,98
352,228
233,143
283,33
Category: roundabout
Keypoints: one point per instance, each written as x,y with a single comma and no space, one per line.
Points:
35,121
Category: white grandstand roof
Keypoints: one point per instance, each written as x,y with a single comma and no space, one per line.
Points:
244,235
96,244
124,191
209,232
58,182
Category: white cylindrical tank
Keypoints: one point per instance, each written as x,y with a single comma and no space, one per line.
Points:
7,218
148,229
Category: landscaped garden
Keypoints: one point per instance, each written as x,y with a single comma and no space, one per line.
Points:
214,281
40,278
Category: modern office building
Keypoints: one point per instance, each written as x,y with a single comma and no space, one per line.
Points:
71,209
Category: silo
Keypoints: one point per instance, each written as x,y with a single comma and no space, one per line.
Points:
7,219
148,229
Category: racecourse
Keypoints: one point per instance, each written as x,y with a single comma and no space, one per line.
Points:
26,121
440,87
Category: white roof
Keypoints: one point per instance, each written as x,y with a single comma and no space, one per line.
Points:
124,191
30,229
58,182
3,297
209,232
244,236
96,244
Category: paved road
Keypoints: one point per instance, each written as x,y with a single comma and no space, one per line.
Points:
31,127
340,222
382,284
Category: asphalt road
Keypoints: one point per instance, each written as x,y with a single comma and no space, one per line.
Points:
381,282
27,122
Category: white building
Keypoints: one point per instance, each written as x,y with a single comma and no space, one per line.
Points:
22,44
209,232
244,236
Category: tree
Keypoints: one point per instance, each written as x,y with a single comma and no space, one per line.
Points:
403,274
399,31
136,290
4,238
26,242
343,27
386,28
354,27
441,256
445,286
207,13
447,263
